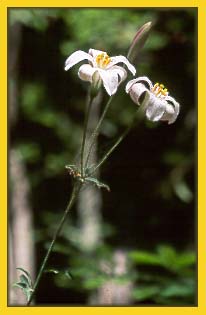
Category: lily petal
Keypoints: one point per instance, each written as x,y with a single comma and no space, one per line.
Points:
86,72
120,71
156,108
110,81
94,52
168,114
171,114
137,90
75,58
130,84
148,84
118,59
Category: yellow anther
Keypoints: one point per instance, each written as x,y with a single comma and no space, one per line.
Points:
106,61
103,60
159,90
156,85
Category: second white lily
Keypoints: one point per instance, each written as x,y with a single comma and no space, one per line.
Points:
160,105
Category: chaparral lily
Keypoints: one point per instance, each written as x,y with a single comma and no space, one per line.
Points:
101,68
160,105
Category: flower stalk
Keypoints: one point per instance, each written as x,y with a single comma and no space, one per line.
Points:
73,197
96,130
137,118
89,105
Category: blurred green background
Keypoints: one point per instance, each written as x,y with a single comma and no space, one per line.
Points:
150,214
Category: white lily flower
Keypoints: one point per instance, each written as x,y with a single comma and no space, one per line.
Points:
160,105
101,68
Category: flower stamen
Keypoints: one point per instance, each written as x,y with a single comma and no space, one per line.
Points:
159,90
103,60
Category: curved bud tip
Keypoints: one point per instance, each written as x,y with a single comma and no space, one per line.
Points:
139,41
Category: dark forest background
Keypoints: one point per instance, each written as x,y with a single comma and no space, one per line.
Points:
143,248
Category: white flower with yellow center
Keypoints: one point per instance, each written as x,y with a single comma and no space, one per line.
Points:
101,68
160,105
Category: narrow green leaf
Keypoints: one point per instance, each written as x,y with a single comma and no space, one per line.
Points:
20,285
144,258
25,277
24,271
145,293
71,166
25,280
28,293
55,271
97,183
68,274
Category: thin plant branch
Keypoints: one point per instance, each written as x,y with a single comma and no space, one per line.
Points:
96,131
89,105
73,197
137,118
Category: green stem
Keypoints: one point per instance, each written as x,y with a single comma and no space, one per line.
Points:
90,100
136,119
96,131
58,230
105,157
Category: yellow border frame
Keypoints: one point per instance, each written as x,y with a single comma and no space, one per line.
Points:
201,308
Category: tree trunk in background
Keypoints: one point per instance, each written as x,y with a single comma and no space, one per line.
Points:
90,200
21,244
113,292
15,33
21,251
